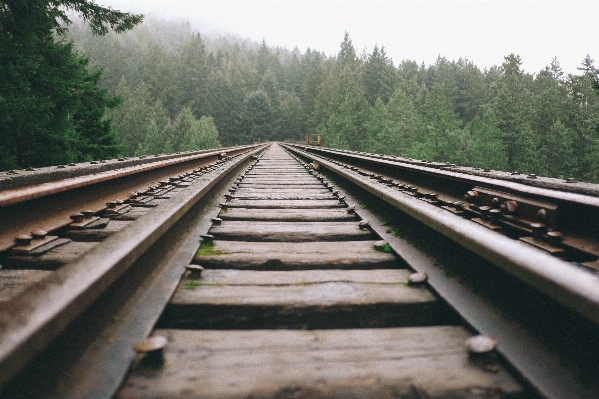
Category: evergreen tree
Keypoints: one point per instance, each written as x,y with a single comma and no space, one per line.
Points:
379,76
487,149
585,120
256,118
47,96
513,105
558,151
292,122
192,71
203,135
442,125
528,158
154,142
132,120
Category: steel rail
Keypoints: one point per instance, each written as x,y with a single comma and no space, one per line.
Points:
572,286
48,206
33,319
540,365
523,187
17,195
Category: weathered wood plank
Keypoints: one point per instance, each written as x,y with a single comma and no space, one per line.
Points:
316,185
300,299
12,282
289,215
286,204
294,256
410,363
281,190
290,231
284,196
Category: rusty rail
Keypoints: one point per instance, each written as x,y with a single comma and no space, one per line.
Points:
30,321
41,202
571,285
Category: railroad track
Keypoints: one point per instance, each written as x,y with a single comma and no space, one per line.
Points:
324,274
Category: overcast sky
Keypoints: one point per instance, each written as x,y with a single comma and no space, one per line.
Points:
482,31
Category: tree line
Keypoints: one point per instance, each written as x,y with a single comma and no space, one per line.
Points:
452,111
181,90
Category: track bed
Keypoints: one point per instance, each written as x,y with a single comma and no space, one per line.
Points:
296,302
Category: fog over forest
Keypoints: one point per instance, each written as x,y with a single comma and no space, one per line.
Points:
184,89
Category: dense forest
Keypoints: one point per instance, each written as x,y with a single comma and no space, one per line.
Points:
182,90
501,118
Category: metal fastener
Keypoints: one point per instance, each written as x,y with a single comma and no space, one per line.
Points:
39,234
542,215
554,237
77,217
571,180
531,176
23,240
417,278
494,215
207,238
471,195
351,210
364,224
216,220
510,206
480,345
538,229
152,350
194,272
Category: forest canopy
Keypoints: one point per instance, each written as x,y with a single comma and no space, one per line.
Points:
51,108
181,88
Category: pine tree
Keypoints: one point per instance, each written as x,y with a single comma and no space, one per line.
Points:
512,101
442,124
487,149
48,99
256,118
379,76
528,158
558,151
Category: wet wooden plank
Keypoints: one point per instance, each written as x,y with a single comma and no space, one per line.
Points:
289,215
290,231
281,190
279,185
286,204
50,260
13,282
279,180
421,362
284,196
294,256
300,299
